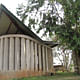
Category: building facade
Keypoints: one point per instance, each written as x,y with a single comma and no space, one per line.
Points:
22,52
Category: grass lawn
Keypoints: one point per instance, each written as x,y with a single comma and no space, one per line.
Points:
57,76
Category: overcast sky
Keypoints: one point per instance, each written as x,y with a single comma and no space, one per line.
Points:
11,4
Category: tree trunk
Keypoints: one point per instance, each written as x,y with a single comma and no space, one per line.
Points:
76,60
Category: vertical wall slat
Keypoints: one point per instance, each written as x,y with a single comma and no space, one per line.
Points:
36,58
5,64
1,53
11,54
51,60
47,58
40,63
17,53
28,53
32,56
23,63
43,56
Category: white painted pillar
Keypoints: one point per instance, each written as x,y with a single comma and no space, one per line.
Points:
23,56
51,59
32,56
11,54
28,54
6,46
17,53
47,58
36,58
43,55
40,61
1,54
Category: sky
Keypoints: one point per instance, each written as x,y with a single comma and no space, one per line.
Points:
11,4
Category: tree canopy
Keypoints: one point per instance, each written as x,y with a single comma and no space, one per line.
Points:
59,16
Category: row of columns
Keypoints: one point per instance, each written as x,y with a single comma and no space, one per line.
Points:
23,54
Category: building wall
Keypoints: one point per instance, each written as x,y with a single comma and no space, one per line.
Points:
20,54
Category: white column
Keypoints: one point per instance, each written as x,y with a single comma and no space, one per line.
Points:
28,54
43,55
17,53
40,63
11,54
51,59
1,54
5,64
47,58
23,63
32,56
36,58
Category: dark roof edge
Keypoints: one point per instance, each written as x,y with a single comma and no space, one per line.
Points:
51,43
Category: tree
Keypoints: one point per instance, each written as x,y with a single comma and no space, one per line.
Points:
64,57
66,26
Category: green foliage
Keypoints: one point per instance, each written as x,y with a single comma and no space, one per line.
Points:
66,27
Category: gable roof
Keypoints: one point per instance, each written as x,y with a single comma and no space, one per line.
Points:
16,23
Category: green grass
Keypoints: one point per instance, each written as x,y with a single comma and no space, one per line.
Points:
57,76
